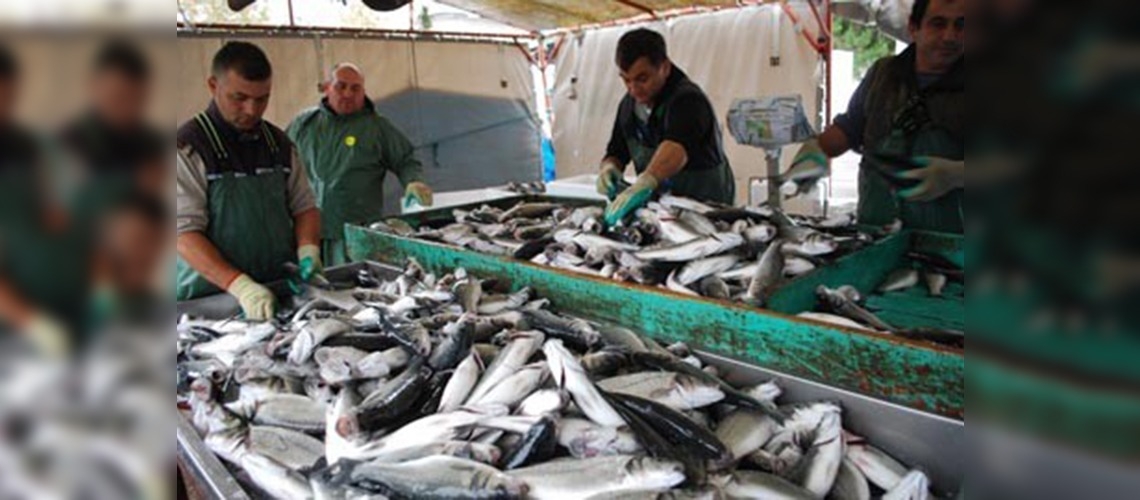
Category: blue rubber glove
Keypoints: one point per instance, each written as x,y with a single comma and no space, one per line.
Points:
419,193
609,178
634,197
309,260
808,167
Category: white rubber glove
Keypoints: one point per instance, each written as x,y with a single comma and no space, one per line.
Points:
256,301
48,336
938,176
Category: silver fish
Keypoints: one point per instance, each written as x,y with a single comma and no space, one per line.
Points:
747,484
295,450
935,282
672,284
578,478
528,210
569,375
768,274
714,288
543,402
275,478
880,469
835,320
585,439
495,304
479,452
797,266
312,335
441,476
696,249
513,389
913,486
812,244
671,201
745,431
521,347
381,363
337,364
899,279
677,391
850,483
699,223
462,381
696,270
759,234
291,411
590,241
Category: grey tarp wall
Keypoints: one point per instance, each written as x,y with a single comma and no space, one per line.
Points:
468,107
727,53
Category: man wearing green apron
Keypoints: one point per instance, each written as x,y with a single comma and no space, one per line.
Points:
245,208
349,148
667,127
907,118
44,260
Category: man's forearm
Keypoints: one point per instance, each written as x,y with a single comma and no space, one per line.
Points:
14,309
669,159
833,141
198,251
307,227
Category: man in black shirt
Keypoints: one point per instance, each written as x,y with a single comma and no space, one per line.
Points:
667,127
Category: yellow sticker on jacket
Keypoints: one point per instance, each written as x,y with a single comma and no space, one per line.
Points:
350,141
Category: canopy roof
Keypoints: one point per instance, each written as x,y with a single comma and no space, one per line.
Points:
547,15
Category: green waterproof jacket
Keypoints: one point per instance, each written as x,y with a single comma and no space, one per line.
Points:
347,157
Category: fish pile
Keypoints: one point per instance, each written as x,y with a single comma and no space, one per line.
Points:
846,306
689,247
421,386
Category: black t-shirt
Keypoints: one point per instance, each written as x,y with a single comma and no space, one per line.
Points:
683,114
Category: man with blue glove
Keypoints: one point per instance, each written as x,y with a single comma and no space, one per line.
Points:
907,118
349,147
667,127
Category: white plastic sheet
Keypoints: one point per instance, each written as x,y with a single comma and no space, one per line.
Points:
728,53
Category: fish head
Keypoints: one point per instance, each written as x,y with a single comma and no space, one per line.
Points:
655,471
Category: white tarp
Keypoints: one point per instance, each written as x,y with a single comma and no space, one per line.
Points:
727,53
468,107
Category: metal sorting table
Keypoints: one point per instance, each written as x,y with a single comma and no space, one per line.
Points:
920,375
933,443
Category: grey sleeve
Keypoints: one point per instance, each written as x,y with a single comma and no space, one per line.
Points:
853,122
301,198
190,185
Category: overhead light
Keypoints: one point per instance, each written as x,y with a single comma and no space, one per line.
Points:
385,5
237,5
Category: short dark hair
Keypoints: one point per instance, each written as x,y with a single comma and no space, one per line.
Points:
9,67
245,58
122,57
918,12
640,43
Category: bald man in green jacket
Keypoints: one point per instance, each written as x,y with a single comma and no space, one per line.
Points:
348,149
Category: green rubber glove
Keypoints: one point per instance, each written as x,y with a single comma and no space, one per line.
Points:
609,177
419,193
634,197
